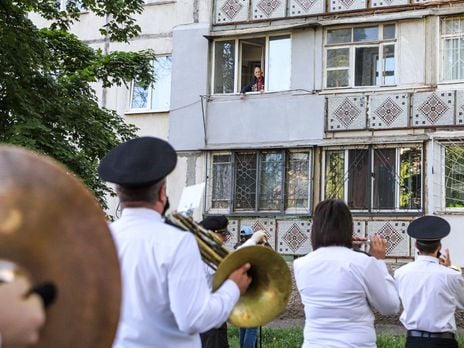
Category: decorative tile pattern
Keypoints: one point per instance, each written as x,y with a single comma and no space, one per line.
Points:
231,11
346,113
305,7
263,9
388,111
398,242
233,234
347,5
384,3
460,107
359,228
267,225
431,109
294,237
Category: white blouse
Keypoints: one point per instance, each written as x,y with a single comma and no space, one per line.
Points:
337,287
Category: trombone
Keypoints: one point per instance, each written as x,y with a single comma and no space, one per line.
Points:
270,289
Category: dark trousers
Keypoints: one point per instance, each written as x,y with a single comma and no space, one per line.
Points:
427,342
215,338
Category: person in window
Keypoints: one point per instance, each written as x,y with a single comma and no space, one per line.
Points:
430,288
338,285
256,84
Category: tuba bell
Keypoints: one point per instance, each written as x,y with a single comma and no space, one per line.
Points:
270,289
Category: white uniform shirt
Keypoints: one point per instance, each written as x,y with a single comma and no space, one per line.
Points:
430,293
337,285
166,300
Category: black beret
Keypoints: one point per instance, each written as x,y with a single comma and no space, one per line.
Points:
215,223
138,162
429,228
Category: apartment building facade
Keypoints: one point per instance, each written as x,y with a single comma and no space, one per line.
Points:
363,101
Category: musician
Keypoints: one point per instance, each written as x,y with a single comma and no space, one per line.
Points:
166,300
429,288
216,337
338,285
21,316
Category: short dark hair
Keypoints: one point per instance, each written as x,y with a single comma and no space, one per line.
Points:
149,193
427,247
332,225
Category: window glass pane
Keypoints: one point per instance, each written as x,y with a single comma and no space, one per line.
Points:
366,34
389,64
338,58
358,179
366,66
337,78
221,181
252,56
270,181
297,180
339,36
161,90
389,31
224,67
139,96
384,179
245,181
451,59
410,178
334,174
279,63
454,176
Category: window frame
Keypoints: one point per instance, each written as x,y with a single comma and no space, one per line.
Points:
283,206
441,46
371,178
443,146
238,61
381,42
148,108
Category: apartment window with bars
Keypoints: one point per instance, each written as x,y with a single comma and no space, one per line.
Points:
452,46
454,175
360,56
260,181
375,178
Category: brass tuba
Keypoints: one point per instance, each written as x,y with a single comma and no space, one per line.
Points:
270,289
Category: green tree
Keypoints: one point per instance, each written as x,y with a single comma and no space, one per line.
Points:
46,99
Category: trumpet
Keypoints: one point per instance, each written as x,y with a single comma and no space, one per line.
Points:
270,289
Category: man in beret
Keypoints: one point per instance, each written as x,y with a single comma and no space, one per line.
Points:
166,301
430,288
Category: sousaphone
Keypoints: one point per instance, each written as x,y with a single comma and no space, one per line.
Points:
51,226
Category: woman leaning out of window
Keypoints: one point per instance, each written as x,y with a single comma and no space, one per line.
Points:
337,283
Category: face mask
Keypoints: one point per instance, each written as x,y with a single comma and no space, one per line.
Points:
166,207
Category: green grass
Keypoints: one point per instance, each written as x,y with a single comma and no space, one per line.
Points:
293,338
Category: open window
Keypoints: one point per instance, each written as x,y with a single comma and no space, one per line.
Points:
234,61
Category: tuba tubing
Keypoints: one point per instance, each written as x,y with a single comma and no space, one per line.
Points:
269,292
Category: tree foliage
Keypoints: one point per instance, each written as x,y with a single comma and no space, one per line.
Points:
47,102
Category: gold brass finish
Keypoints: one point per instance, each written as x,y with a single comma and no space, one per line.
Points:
270,288
52,226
